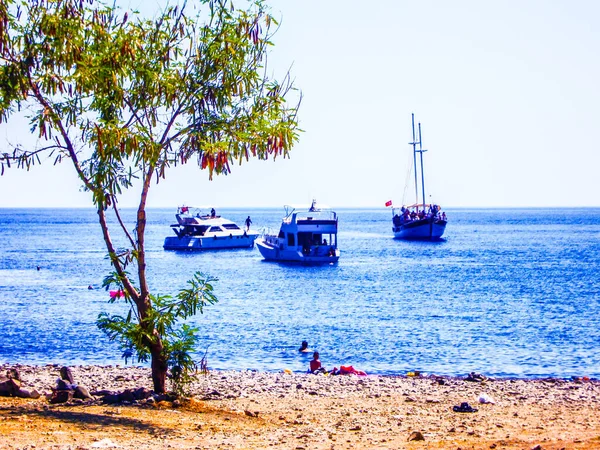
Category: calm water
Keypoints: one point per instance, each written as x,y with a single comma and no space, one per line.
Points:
508,293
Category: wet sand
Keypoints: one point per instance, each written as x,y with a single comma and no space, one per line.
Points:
253,410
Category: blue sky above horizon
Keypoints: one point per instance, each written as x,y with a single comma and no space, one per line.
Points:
507,94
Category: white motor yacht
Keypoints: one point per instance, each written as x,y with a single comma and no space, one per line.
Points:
195,231
306,236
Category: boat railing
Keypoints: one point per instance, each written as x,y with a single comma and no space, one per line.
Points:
320,250
265,232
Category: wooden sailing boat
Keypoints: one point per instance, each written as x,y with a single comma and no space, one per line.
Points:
420,221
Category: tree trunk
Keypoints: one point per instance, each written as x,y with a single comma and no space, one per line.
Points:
159,368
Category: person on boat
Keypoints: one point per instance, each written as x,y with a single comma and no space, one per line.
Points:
213,213
443,216
304,347
324,241
248,223
315,364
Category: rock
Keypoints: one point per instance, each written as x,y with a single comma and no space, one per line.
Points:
82,393
537,447
251,413
142,393
9,387
104,443
25,393
127,396
102,393
485,398
13,373
65,374
416,436
61,396
111,399
160,397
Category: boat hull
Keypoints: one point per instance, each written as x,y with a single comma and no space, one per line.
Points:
424,229
208,243
315,256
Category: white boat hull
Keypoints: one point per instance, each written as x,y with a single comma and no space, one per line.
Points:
425,229
316,255
209,243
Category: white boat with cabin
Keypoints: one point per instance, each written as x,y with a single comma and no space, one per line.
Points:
306,236
420,221
197,231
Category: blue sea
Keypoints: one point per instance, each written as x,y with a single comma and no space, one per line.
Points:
508,293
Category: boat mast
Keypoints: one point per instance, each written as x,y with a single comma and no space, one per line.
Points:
421,151
414,144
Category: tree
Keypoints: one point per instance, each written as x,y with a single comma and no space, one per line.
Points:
124,99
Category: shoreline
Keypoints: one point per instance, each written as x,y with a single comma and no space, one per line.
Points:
403,374
245,409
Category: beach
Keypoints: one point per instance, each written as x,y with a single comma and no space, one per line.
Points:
256,410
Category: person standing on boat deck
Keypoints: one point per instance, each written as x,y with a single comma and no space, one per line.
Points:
248,223
213,213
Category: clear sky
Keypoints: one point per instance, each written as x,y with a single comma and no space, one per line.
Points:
507,93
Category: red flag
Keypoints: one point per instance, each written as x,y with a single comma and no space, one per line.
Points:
184,209
388,203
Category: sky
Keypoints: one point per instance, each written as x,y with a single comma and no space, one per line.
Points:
507,94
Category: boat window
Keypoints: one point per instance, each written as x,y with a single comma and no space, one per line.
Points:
305,239
215,229
230,226
281,234
291,240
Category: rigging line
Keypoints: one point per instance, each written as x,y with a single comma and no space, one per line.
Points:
407,178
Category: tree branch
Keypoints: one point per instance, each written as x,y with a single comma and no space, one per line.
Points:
113,256
141,227
72,153
131,241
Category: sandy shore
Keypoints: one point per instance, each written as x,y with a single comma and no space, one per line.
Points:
251,410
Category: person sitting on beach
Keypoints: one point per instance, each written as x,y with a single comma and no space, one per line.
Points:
315,364
349,370
304,347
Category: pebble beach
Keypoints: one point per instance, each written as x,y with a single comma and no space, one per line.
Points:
246,409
